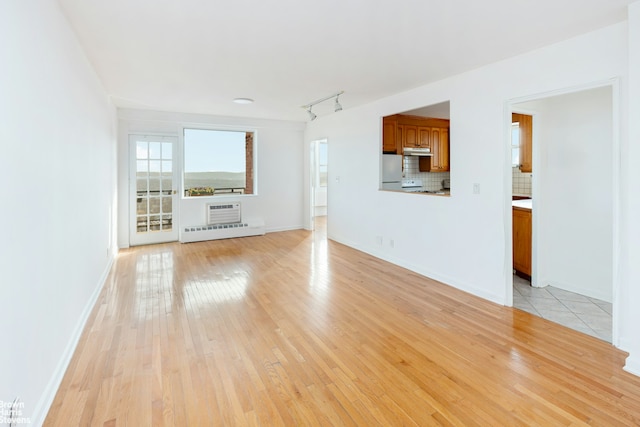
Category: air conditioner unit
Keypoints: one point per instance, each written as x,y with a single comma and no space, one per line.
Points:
223,213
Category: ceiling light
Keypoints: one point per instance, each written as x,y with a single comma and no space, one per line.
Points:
243,101
337,107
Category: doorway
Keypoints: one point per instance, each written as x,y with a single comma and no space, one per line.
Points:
152,189
574,217
319,167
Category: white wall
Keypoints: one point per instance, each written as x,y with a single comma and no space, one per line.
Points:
279,153
58,169
573,137
630,256
462,240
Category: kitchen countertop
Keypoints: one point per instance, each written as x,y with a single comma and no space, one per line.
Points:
523,204
432,192
445,193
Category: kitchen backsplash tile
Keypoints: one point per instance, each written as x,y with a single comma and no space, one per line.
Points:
521,182
431,181
410,166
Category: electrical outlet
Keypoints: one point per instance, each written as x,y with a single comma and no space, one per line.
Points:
379,240
476,188
391,243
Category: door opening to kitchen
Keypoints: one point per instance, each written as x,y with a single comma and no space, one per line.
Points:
565,235
319,179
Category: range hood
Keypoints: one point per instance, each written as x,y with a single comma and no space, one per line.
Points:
416,151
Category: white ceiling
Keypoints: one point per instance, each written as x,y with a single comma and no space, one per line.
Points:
195,56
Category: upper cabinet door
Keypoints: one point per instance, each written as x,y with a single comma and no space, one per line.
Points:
424,137
410,134
389,128
439,159
440,150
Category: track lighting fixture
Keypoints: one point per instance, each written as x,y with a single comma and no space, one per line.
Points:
336,106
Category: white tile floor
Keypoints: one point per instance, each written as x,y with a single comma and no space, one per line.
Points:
584,314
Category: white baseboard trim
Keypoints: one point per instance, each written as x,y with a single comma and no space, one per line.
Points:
572,287
287,228
44,403
632,365
624,344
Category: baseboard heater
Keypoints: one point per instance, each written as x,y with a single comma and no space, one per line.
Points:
223,222
221,231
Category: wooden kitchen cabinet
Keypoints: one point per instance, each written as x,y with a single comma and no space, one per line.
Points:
526,140
400,131
439,144
522,241
410,136
417,136
424,137
390,136
440,150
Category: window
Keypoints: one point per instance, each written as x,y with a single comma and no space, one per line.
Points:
515,144
218,162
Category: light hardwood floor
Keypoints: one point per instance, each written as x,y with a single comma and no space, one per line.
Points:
289,329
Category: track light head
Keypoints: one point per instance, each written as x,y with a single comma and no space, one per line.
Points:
311,115
337,107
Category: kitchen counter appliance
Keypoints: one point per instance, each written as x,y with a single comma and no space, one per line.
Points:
412,185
